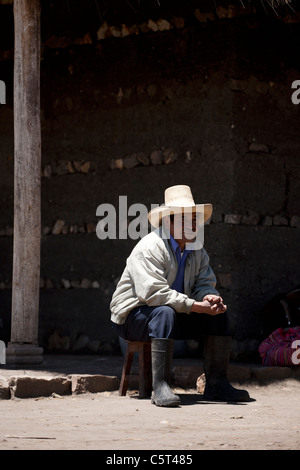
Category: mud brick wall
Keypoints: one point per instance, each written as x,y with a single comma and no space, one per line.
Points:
199,102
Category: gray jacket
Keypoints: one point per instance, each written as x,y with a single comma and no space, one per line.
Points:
151,269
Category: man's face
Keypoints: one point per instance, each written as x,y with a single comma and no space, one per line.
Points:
184,227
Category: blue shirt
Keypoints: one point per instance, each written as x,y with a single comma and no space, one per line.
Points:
178,284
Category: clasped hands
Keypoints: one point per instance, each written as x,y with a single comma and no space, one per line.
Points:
211,304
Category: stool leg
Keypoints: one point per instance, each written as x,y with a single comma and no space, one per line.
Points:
126,371
145,375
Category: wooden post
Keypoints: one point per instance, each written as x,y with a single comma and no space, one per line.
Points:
23,348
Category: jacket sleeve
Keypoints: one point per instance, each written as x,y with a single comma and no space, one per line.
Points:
205,281
146,269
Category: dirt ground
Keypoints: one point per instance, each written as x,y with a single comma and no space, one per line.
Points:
106,421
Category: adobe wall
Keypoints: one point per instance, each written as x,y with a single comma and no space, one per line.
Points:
207,105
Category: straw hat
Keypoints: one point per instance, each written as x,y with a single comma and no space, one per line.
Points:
177,199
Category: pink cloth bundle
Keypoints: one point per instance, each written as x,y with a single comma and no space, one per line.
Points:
280,348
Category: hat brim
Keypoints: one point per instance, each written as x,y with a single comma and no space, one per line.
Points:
155,215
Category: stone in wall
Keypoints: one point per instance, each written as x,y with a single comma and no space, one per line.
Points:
49,284
86,284
156,157
63,343
178,22
85,167
90,227
295,221
234,11
58,342
66,283
130,161
116,163
62,167
47,171
163,25
169,156
143,159
280,220
74,229
106,31
267,220
232,219
57,228
46,231
259,148
252,218
204,17
86,39
66,167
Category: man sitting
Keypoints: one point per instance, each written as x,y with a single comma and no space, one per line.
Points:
167,292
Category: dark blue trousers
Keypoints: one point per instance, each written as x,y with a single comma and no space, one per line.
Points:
162,321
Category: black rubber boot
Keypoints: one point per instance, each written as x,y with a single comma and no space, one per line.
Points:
216,356
161,356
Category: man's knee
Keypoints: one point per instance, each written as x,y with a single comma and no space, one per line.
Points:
162,323
167,313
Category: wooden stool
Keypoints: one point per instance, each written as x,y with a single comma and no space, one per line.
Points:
145,375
